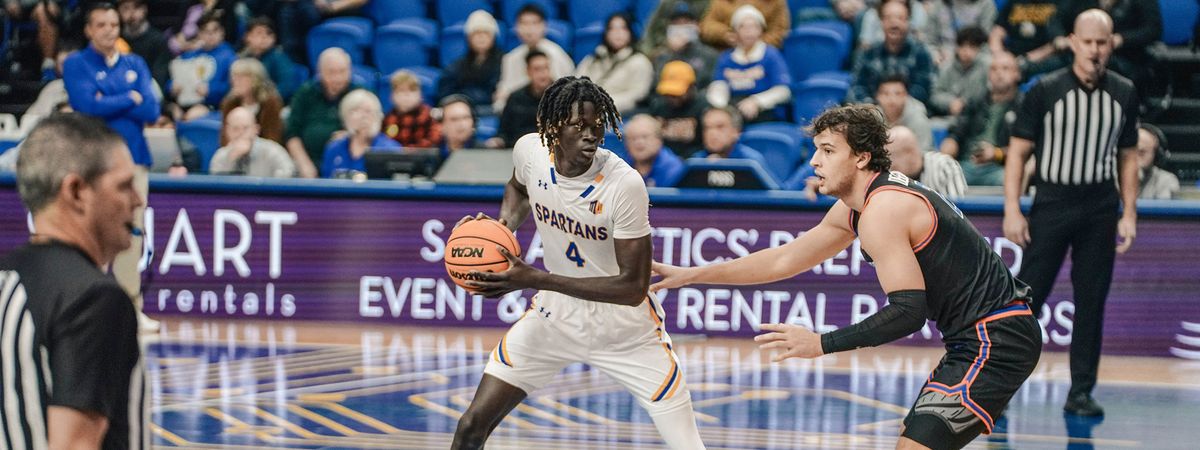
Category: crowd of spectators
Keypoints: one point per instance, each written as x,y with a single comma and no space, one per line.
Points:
695,74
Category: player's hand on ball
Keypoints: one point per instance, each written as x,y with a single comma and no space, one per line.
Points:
672,276
478,216
795,341
495,284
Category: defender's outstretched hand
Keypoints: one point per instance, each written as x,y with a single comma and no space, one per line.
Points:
672,276
795,341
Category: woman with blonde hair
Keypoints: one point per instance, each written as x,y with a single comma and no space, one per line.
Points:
251,87
362,115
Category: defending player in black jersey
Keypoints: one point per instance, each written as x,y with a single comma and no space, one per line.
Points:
933,265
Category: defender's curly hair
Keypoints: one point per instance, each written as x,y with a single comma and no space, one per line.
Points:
559,102
864,128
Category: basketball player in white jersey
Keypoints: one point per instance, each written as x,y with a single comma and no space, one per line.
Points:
593,306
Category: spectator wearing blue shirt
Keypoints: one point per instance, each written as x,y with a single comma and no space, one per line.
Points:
721,132
897,54
643,141
752,76
118,89
200,77
362,113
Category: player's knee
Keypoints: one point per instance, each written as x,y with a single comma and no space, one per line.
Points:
472,431
909,444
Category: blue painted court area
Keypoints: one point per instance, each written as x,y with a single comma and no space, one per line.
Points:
405,391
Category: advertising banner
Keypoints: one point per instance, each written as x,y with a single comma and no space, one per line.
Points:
380,260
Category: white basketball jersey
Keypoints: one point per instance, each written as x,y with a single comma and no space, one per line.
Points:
579,217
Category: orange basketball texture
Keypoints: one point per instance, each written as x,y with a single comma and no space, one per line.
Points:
472,246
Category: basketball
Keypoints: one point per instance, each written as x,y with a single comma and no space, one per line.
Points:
472,246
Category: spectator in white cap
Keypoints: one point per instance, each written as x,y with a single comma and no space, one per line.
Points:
752,76
477,73
717,30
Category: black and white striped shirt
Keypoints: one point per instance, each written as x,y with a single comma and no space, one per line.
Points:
68,337
942,174
1078,133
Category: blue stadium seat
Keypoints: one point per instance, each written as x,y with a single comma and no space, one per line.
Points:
450,12
782,151
387,11
509,8
809,50
843,29
557,31
586,40
485,127
791,129
402,45
810,97
366,28
364,76
615,145
205,134
796,5
326,35
453,44
643,10
584,13
1178,19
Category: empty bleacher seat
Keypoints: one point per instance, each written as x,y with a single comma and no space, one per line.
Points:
796,5
509,8
387,11
450,12
363,76
810,97
1179,20
843,29
402,44
327,35
584,13
810,49
365,27
586,40
643,10
782,151
205,134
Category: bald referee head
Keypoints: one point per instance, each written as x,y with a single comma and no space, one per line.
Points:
75,176
73,369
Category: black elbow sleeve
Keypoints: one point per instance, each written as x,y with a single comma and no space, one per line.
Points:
905,314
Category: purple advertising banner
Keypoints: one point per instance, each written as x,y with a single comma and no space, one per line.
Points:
313,257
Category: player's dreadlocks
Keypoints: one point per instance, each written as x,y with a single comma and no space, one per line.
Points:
561,97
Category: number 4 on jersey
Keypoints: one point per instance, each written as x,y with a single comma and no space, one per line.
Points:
573,255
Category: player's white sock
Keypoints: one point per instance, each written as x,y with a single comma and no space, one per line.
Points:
678,428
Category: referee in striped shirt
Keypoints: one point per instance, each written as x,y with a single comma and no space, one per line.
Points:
70,361
1084,122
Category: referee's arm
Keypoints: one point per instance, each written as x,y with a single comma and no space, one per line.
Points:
72,429
1016,228
1127,226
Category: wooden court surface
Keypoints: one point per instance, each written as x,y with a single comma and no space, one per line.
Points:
246,384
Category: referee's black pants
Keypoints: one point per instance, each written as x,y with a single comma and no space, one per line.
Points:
1086,222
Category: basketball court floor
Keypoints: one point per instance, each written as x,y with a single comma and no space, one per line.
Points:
301,385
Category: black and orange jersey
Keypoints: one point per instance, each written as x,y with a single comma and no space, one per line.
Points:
964,279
